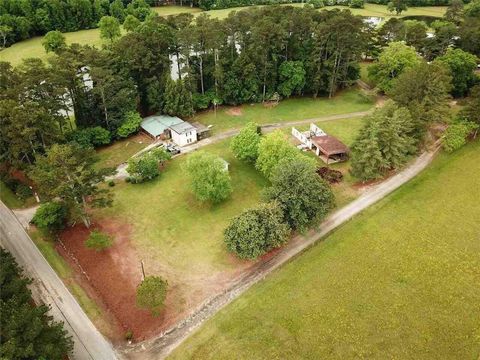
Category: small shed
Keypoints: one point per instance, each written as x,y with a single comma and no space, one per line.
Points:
158,126
329,148
202,130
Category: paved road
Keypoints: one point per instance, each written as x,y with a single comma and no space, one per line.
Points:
122,168
49,289
163,345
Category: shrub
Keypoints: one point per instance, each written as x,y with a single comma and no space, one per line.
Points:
256,231
317,4
23,191
50,216
90,137
111,183
357,4
146,166
330,175
131,124
151,294
456,135
98,241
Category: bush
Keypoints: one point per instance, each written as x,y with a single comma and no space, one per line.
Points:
90,137
111,183
98,241
23,191
151,294
256,231
50,216
146,166
131,124
330,175
456,135
357,4
317,4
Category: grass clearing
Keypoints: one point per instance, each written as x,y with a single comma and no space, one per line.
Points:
292,109
122,150
398,281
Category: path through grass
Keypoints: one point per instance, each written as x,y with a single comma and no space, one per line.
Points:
399,281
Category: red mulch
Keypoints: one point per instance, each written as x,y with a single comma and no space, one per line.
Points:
113,274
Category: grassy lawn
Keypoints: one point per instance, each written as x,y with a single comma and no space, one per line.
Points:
122,150
397,282
287,110
174,9
171,228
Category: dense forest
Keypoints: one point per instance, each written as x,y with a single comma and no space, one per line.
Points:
254,55
20,20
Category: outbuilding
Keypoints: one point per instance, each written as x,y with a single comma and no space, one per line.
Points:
329,149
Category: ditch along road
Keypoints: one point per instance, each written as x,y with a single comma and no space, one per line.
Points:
122,168
47,288
163,345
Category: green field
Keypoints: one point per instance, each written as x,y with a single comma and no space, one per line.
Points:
400,281
33,47
287,110
170,228
122,150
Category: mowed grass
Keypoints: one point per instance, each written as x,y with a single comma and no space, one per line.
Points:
400,281
171,228
292,109
122,150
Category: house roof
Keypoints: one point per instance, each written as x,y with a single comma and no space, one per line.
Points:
157,124
330,145
182,127
200,127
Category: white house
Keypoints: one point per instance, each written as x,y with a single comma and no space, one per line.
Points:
183,133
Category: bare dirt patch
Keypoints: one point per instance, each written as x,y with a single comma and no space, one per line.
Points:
235,111
113,275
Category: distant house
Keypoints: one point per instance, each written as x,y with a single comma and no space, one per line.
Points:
327,147
164,127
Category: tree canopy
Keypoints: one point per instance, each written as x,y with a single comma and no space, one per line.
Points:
209,178
28,332
151,294
245,144
303,196
256,231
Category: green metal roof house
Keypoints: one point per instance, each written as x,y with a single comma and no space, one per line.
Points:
157,125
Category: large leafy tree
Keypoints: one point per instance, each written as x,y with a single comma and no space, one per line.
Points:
384,143
28,332
209,178
397,6
245,144
257,231
394,59
292,78
66,172
303,196
272,149
109,28
147,166
471,110
54,41
462,66
424,90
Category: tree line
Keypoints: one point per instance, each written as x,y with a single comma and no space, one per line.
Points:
20,20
